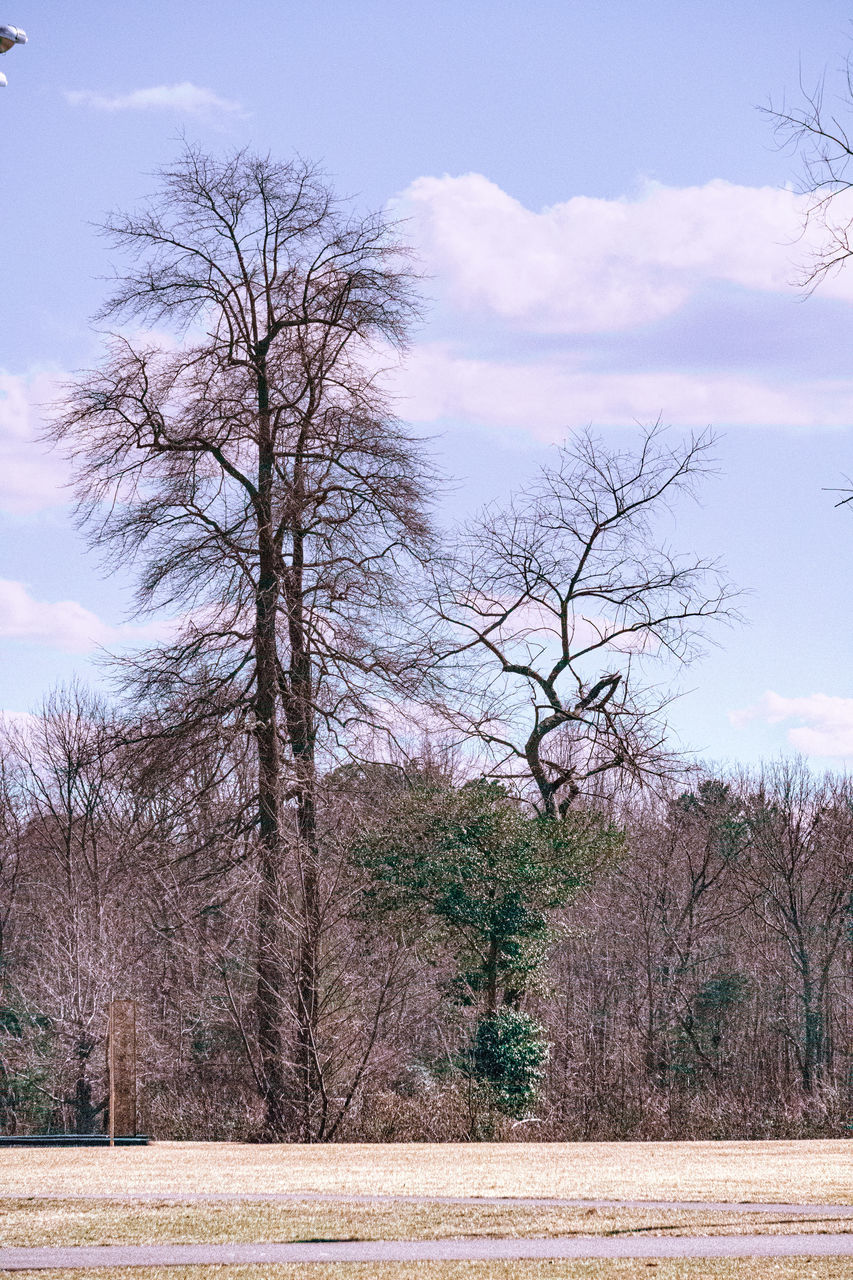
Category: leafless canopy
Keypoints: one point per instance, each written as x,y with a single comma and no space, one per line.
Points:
817,129
266,416
557,600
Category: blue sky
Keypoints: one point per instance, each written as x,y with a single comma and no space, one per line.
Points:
604,216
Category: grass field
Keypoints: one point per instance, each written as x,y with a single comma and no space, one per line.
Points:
626,1269
32,1224
808,1172
42,1203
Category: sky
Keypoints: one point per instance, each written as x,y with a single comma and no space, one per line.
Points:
611,236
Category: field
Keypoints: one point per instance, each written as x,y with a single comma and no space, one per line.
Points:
73,1222
73,1196
690,1269
799,1172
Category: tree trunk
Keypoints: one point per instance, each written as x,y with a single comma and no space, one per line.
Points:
269,975
85,1110
299,711
492,977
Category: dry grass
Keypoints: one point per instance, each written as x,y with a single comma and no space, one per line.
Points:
32,1224
617,1269
802,1171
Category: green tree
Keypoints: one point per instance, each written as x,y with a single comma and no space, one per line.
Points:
490,872
490,875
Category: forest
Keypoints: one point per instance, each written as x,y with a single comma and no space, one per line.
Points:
384,832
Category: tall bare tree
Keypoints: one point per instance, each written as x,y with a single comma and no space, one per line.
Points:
556,600
254,471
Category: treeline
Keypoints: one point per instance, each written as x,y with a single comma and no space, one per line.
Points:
383,834
683,963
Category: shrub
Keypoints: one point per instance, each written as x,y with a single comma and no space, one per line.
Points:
509,1055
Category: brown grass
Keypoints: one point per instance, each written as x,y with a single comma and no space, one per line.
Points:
806,1171
616,1269
37,1223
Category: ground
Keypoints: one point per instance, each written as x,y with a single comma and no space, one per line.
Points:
817,1172
29,1224
73,1196
625,1269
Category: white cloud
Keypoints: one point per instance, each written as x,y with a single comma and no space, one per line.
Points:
186,98
592,265
549,397
64,624
31,475
825,723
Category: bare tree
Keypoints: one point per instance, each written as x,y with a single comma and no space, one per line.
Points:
799,878
10,844
816,130
11,841
254,471
76,866
556,600
674,888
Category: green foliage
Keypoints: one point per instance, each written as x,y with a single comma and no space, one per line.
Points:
27,1043
509,1055
718,995
10,1023
714,803
488,872
695,1043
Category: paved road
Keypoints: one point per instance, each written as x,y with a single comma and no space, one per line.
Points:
429,1251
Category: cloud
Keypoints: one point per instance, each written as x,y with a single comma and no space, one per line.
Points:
590,265
31,475
548,397
186,98
825,725
64,624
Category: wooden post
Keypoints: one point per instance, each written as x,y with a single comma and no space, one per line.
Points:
121,1065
